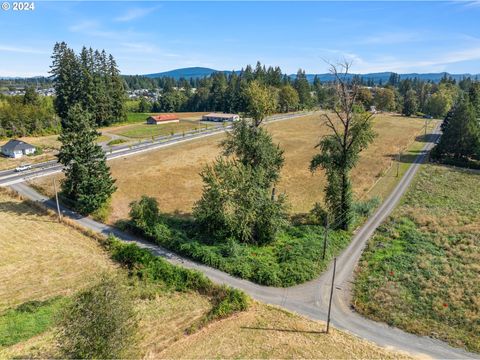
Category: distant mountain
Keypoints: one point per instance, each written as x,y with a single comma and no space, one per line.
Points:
381,77
186,73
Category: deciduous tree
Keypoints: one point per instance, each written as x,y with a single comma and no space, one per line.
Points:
351,132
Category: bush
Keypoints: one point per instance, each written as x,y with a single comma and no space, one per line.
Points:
365,208
99,323
144,213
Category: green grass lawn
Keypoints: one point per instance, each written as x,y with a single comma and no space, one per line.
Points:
144,131
421,270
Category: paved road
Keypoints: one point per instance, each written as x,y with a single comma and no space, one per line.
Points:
10,177
311,298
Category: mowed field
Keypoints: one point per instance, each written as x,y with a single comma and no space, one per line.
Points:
172,174
41,259
144,131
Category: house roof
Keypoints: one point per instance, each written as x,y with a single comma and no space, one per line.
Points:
164,117
220,115
13,145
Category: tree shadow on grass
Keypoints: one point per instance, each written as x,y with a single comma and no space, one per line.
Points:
23,209
406,158
427,138
283,330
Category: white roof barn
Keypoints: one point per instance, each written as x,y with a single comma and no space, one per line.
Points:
220,117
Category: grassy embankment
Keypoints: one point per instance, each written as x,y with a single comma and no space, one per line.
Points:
172,177
43,262
420,271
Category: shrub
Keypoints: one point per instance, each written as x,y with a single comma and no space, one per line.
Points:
144,213
318,215
99,323
365,208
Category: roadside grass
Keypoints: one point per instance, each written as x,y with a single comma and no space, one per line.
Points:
116,142
420,271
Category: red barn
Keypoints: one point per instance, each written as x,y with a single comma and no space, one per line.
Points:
162,119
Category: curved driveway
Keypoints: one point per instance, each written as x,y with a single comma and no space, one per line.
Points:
311,298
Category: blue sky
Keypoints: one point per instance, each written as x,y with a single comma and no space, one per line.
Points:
148,37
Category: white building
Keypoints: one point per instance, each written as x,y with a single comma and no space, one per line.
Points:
219,117
17,148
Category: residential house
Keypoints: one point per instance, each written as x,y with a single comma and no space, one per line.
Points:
17,149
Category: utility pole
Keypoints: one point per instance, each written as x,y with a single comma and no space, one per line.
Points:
56,199
273,193
399,157
331,294
325,238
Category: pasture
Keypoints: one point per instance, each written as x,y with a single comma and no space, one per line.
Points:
420,271
144,131
172,174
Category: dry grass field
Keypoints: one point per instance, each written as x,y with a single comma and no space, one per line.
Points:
269,332
172,174
41,258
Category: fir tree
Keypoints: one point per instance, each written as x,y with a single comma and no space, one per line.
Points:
88,183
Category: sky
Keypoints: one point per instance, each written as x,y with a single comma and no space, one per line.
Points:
149,37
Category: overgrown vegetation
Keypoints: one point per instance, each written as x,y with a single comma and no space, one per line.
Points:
142,264
34,115
420,271
99,323
294,256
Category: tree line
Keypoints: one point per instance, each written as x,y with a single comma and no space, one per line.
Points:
90,78
26,115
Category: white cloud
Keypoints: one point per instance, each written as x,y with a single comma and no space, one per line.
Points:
24,50
135,13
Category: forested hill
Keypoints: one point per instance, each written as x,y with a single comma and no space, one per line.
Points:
202,72
377,78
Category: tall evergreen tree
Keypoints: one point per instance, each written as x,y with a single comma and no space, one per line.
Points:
303,89
88,183
461,133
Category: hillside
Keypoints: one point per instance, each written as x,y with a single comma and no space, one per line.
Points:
378,78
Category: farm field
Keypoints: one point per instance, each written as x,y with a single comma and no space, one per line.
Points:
41,258
52,261
144,131
134,117
172,174
420,271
